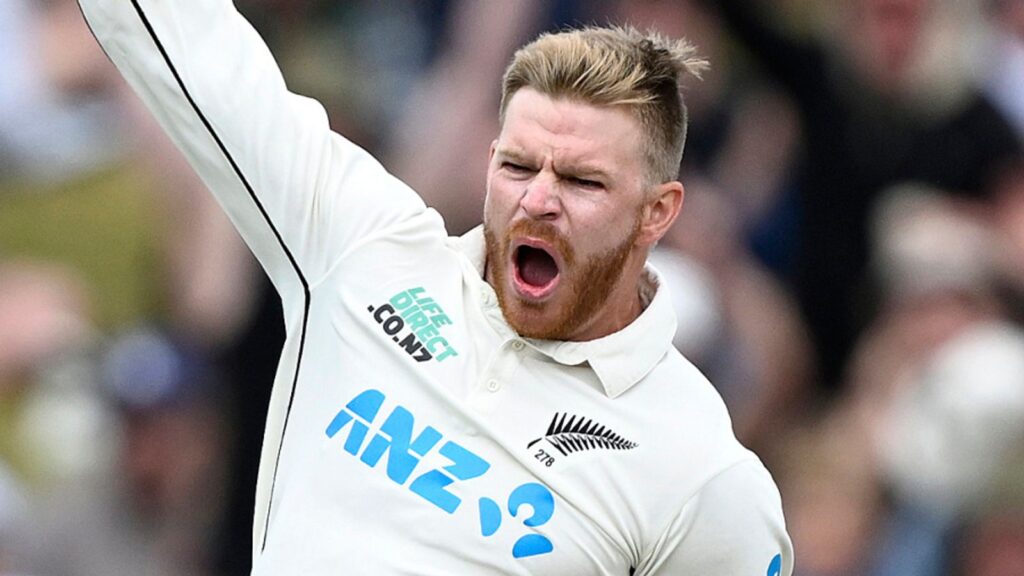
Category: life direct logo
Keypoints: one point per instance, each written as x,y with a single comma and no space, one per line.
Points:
414,321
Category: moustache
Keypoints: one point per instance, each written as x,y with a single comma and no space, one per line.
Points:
543,231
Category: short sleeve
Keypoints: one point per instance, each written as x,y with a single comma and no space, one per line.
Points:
733,526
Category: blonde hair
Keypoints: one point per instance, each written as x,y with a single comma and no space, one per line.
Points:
615,66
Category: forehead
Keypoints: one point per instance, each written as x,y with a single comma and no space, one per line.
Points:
566,130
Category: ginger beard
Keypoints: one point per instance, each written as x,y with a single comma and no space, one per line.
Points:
584,287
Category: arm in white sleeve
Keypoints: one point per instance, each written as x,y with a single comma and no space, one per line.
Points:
732,527
300,195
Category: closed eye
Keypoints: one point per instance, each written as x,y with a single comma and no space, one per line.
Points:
584,183
515,168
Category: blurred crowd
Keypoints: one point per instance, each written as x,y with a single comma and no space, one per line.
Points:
848,269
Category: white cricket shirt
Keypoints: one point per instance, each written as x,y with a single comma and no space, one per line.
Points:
411,431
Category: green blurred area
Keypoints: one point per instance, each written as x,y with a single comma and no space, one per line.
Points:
103,226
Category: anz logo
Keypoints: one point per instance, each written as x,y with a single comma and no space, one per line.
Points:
405,451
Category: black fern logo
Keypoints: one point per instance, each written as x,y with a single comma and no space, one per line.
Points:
578,434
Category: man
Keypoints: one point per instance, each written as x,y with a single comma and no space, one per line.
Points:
507,402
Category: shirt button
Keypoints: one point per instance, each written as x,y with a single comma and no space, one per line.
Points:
493,385
517,344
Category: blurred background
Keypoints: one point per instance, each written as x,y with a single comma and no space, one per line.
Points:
848,269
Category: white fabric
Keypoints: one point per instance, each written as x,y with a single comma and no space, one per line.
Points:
399,461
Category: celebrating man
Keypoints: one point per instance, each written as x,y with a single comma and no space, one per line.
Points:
507,402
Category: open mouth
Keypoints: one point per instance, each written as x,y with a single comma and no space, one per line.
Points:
536,270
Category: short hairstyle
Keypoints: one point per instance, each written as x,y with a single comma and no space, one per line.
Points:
615,66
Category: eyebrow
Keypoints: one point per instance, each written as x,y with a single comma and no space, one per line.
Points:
514,154
582,171
567,169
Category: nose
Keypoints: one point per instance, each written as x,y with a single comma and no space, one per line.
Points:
540,200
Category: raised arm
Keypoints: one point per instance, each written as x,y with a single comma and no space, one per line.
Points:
301,196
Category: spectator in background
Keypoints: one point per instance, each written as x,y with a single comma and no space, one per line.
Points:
65,198
51,422
884,100
151,509
990,541
54,122
937,383
83,171
85,185
323,45
901,475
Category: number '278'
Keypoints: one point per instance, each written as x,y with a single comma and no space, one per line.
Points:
544,457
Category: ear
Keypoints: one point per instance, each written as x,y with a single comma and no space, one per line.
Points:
660,210
490,153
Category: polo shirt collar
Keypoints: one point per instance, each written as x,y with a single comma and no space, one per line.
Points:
620,359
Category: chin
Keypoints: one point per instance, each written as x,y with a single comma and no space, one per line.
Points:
562,316
529,319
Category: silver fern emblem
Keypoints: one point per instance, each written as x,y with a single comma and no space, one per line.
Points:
570,434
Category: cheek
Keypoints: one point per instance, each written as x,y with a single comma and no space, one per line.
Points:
500,202
588,244
598,227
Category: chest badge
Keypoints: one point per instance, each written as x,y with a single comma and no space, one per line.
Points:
569,434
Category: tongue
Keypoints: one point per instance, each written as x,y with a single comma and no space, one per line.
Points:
536,267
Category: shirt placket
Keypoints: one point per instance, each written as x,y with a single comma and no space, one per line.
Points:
496,382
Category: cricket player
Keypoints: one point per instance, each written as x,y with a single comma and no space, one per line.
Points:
506,402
